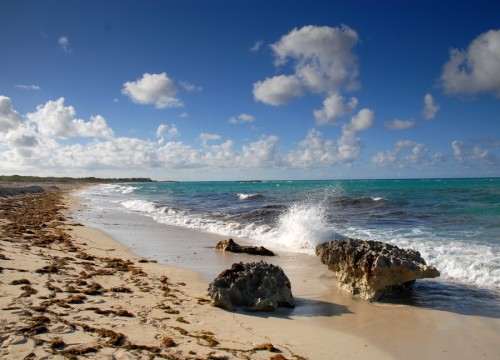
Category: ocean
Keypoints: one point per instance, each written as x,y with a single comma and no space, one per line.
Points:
453,223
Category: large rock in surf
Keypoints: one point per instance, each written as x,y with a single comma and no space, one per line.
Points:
230,245
371,269
257,286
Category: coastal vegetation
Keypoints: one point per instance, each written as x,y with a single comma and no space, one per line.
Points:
91,179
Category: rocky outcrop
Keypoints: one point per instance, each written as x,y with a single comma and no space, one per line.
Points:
14,191
371,269
257,286
230,245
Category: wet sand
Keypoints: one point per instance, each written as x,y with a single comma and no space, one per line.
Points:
72,291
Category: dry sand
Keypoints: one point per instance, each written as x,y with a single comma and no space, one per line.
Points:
70,291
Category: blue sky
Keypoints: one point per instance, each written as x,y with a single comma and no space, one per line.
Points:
223,90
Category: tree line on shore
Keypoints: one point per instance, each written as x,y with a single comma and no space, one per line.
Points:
90,179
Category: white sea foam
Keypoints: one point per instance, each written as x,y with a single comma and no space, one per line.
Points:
243,196
141,206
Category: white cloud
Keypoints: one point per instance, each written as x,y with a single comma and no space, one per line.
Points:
384,158
404,144
407,153
334,107
430,107
63,41
23,140
277,90
53,119
362,121
190,87
399,124
474,70
323,62
313,151
166,131
156,89
256,46
206,137
28,87
9,118
472,153
241,118
322,56
184,115
261,153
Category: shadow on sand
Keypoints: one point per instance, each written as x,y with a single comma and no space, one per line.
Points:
446,296
303,308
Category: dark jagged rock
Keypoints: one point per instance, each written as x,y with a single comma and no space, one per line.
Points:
256,286
371,269
230,245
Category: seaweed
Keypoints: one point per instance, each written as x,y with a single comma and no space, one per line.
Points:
121,289
20,282
168,342
266,347
182,320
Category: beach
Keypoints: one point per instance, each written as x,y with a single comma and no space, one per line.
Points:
74,291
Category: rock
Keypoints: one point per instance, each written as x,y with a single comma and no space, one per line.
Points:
230,245
257,286
371,269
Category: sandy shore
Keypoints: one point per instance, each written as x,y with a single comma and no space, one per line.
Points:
70,291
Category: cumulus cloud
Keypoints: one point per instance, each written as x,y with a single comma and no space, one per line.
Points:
63,42
430,107
322,61
166,131
277,90
206,137
475,69
406,153
35,139
9,118
399,124
362,121
54,119
241,118
157,89
334,108
261,153
322,56
313,150
474,153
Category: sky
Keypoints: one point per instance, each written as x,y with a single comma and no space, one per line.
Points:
239,90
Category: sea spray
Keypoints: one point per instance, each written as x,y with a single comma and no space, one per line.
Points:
302,227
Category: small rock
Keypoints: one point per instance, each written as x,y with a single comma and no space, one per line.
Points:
231,246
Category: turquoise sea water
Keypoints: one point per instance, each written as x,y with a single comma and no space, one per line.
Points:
454,223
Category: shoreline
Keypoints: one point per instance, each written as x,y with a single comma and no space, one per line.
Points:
325,324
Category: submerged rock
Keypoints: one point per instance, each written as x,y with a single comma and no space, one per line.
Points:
256,286
371,269
230,245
